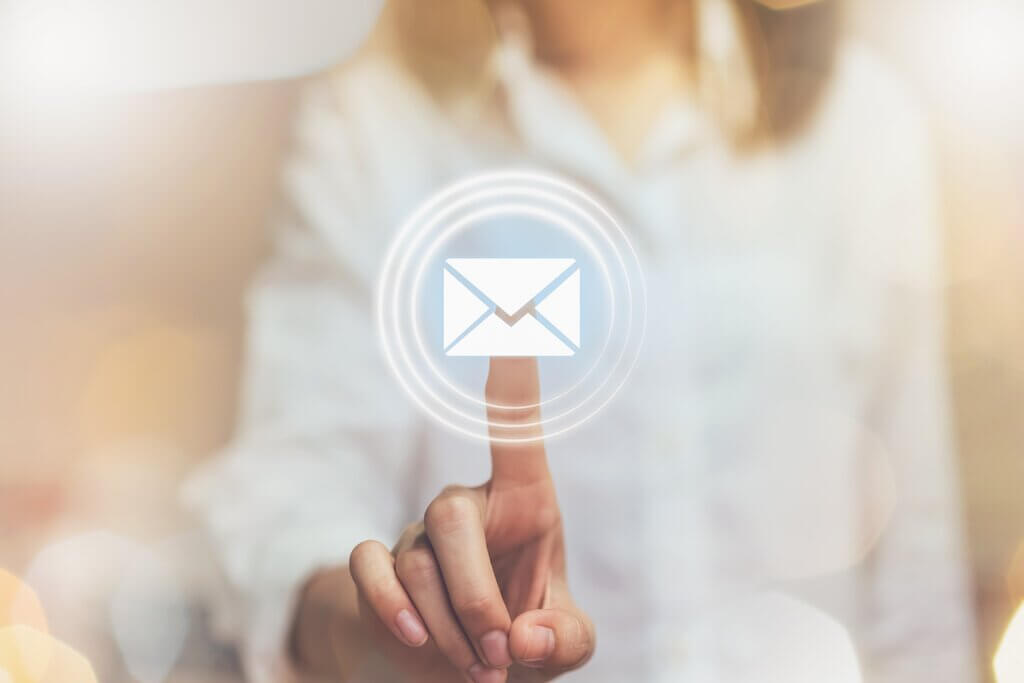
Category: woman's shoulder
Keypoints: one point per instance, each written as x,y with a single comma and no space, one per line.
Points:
370,132
377,100
877,132
871,106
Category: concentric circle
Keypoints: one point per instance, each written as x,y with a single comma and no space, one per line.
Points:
510,215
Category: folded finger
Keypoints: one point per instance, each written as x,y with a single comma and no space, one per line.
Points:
454,524
373,570
419,572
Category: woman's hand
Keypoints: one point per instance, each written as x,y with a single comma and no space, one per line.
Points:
477,589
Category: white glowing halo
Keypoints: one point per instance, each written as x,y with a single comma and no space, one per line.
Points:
405,355
571,228
604,266
412,232
511,210
505,210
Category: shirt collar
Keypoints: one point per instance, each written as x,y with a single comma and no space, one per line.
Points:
552,123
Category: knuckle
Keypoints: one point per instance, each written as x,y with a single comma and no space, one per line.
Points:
361,554
417,566
452,490
547,515
377,593
473,608
449,511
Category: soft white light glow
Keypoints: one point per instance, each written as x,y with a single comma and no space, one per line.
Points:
132,45
148,617
516,193
806,515
1009,659
102,590
970,55
769,637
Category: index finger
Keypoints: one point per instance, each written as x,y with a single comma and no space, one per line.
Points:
513,397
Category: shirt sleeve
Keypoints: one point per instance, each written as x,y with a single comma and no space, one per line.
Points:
919,625
322,444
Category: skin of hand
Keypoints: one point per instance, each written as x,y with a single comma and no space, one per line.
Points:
474,591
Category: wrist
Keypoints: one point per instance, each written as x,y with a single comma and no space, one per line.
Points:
326,638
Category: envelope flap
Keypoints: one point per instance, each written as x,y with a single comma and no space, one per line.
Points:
511,283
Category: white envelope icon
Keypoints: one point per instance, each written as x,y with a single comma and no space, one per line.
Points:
511,307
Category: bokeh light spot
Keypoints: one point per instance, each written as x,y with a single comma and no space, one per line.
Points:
807,514
143,383
19,605
149,618
770,637
1008,662
25,653
31,656
104,593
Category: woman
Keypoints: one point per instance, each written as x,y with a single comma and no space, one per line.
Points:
785,434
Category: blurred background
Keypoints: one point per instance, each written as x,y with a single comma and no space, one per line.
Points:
130,224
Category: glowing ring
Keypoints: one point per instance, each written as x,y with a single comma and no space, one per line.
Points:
505,210
513,182
414,298
434,397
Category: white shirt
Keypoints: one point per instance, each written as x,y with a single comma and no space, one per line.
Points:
776,481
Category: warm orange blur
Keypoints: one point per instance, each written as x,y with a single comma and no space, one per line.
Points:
19,605
28,654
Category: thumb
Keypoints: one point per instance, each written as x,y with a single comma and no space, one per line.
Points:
555,640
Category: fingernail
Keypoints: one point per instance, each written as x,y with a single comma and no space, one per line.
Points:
539,645
411,628
495,647
481,674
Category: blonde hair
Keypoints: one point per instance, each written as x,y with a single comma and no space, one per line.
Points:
761,71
